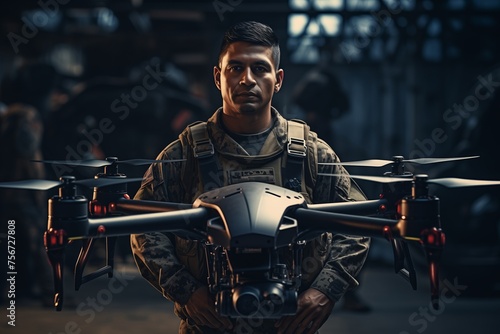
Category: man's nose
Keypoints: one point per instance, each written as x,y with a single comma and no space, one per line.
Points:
247,77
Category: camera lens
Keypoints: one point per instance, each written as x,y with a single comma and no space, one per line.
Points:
273,299
246,301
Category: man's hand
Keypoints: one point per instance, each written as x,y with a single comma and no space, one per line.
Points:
200,308
313,309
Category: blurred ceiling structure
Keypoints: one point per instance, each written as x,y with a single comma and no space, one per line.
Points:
390,45
352,30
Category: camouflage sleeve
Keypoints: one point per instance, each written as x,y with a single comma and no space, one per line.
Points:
347,253
154,253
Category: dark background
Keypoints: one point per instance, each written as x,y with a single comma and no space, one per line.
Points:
385,78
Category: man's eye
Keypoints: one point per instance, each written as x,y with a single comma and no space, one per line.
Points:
260,69
235,68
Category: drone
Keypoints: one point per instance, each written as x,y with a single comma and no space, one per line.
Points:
244,225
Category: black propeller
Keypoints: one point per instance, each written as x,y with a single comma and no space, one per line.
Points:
448,182
48,184
454,182
397,159
31,184
379,179
103,163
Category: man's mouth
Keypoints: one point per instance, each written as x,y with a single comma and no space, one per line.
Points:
247,95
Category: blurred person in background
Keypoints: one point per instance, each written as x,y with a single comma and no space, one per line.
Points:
320,99
21,130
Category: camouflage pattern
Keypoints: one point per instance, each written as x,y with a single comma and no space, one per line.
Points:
176,266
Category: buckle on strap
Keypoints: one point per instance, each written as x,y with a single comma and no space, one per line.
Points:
296,147
203,148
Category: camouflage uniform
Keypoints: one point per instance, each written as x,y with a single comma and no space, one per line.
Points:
176,266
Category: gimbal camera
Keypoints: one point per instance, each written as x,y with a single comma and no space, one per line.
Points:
245,227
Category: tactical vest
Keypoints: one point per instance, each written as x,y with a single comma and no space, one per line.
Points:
282,169
294,168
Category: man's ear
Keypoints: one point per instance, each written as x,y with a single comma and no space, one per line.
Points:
217,77
280,74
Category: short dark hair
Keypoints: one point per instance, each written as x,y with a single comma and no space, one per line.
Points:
254,33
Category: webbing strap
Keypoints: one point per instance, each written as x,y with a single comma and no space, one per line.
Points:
203,150
296,150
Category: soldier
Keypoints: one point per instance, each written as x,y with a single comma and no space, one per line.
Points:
247,134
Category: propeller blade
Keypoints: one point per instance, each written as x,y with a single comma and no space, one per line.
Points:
382,163
31,184
102,163
77,163
48,184
360,163
139,162
103,182
453,182
425,161
379,179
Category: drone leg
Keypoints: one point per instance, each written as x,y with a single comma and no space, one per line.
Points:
399,259
110,254
81,262
402,253
411,269
55,244
433,241
83,257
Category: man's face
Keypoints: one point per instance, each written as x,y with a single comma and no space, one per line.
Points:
247,79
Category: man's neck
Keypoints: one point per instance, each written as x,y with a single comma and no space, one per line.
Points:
247,123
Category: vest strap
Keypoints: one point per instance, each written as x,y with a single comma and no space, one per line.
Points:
203,150
296,150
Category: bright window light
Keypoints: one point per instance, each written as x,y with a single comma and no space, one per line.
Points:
296,24
299,4
330,23
328,4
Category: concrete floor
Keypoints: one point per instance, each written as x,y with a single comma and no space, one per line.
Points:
128,304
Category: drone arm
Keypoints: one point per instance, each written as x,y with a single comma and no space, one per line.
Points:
358,207
390,229
63,227
141,206
319,221
150,222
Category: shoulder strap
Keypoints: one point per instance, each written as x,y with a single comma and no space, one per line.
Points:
203,150
296,153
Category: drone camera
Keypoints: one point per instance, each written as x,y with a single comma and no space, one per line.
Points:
253,282
253,299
